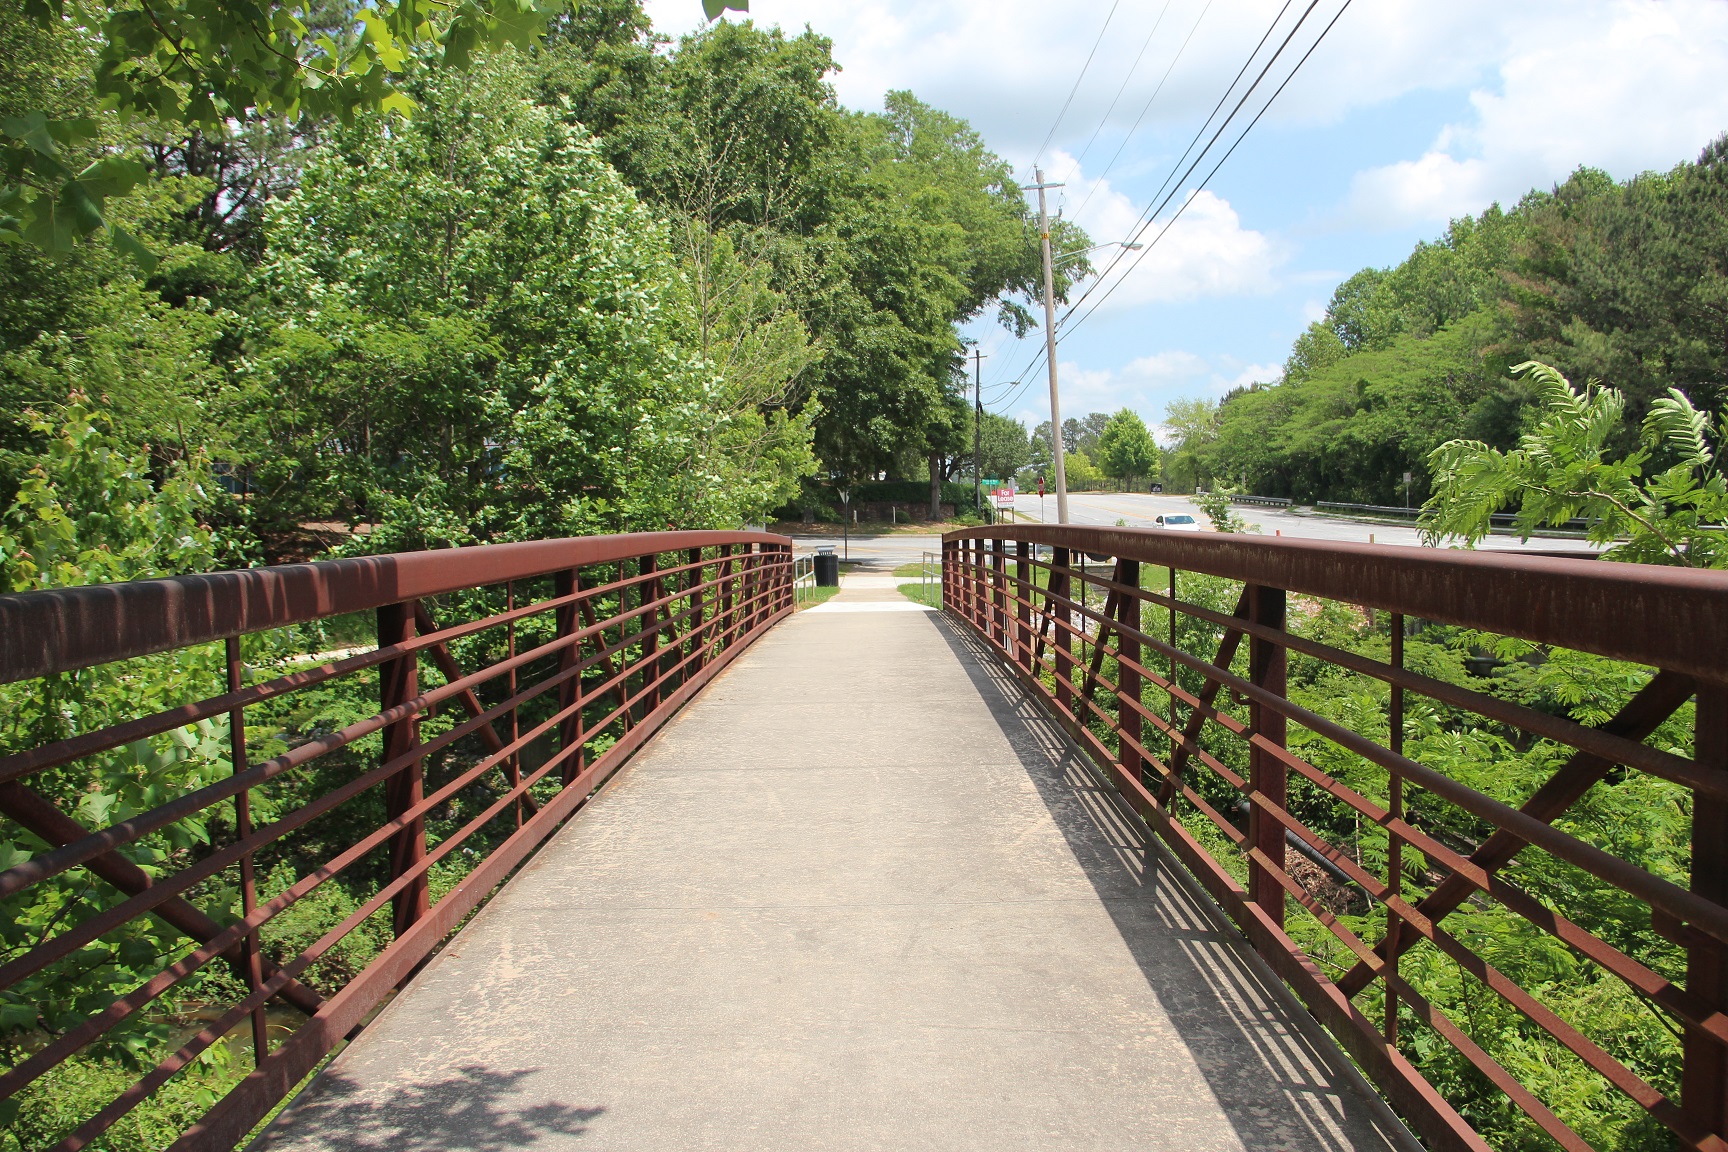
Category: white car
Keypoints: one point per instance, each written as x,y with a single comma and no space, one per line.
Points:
1177,522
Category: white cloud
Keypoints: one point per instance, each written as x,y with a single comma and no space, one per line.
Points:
1205,252
1007,65
1145,384
1621,84
1626,86
1250,374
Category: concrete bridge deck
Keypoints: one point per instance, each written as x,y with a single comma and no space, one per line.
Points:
858,895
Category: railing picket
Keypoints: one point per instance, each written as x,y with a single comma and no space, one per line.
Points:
1704,1075
398,683
1394,842
1266,773
570,735
1127,675
1061,638
251,965
999,591
694,631
513,771
1023,583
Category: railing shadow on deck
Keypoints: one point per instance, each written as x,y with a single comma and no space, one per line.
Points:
1296,1090
1199,743
462,1112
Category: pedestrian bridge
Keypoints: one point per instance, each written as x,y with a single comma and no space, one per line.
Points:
633,853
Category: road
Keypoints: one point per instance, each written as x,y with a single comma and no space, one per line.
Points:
1136,510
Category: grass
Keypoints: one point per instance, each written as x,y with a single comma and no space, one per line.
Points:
810,597
930,594
868,529
916,568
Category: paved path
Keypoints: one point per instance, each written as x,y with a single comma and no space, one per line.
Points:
858,895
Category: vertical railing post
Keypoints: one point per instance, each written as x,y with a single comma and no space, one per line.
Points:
653,590
723,614
250,960
963,572
1266,773
999,594
566,622
1170,619
1023,610
398,683
737,568
1704,1077
1394,842
1127,674
513,767
950,576
1061,639
981,585
698,655
753,587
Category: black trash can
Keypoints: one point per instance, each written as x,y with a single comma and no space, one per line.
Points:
827,569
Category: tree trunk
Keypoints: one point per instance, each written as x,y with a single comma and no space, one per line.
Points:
935,486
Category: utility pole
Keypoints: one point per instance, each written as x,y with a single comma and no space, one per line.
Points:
1050,348
977,431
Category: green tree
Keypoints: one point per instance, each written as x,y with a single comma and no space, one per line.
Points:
1081,434
1125,448
485,336
88,512
184,63
1191,425
1005,448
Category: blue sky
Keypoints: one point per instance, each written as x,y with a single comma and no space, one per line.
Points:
1411,112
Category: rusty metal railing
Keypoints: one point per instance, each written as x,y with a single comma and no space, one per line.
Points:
534,670
1192,737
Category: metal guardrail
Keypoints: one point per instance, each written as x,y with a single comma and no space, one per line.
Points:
1497,519
1262,501
1186,736
578,650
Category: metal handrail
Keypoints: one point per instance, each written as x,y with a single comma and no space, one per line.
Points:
803,578
1187,736
556,661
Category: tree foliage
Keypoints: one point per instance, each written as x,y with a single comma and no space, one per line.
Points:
1621,282
1125,448
1564,468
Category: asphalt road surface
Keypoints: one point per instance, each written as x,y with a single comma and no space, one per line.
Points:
1136,510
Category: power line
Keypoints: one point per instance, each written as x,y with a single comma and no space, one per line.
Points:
1067,327
1050,135
1144,108
1123,87
1025,377
1174,183
1171,181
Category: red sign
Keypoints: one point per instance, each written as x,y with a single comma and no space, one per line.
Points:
1040,487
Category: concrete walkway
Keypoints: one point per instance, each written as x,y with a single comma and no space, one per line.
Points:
858,895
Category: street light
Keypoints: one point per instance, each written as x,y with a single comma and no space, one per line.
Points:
1130,245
